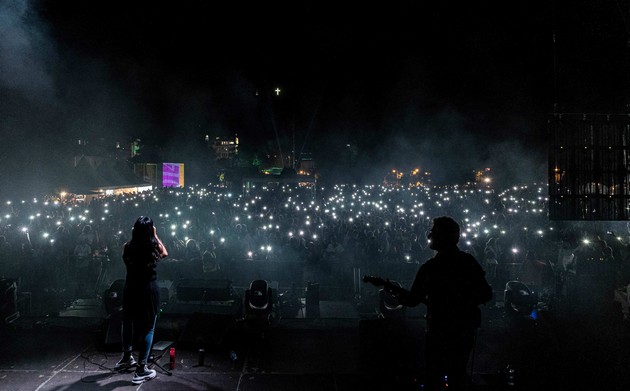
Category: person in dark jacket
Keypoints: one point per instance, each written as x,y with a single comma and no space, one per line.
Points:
140,296
452,285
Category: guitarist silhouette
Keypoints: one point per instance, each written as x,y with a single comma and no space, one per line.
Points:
452,285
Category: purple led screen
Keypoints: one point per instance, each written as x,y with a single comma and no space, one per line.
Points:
172,174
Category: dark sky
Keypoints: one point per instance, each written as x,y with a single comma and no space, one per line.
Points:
448,86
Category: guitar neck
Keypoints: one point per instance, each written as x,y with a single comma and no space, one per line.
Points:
376,281
389,286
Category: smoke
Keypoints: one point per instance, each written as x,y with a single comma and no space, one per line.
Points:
452,153
416,124
446,143
513,162
26,55
27,89
62,78
50,96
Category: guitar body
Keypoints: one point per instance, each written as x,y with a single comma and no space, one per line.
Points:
466,322
391,287
389,302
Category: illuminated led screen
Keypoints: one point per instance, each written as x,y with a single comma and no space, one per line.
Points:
172,174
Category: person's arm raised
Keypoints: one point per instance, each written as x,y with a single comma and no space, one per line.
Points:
161,248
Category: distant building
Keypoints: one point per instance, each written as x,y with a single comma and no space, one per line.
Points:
97,149
483,177
224,147
161,174
413,178
100,166
135,147
306,165
419,177
92,177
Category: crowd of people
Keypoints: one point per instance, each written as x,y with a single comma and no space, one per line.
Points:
306,234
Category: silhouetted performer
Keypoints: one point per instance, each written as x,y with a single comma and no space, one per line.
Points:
452,285
140,296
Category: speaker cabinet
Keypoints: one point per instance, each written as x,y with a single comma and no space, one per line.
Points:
204,290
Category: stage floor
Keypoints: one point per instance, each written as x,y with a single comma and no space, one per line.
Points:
350,351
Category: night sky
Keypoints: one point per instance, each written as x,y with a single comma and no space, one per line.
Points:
441,85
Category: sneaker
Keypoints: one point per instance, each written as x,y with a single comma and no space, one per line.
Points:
143,375
125,363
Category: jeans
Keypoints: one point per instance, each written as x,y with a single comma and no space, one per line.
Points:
140,306
146,341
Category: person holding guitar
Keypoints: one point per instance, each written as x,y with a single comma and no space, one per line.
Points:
452,285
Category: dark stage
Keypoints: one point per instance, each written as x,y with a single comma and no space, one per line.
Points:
339,345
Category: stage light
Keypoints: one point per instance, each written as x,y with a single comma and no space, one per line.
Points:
258,304
112,299
519,299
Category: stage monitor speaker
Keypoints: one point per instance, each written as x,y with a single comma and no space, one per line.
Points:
312,300
204,290
166,290
113,337
112,340
113,296
205,330
8,300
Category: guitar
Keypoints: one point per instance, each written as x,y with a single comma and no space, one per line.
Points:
467,322
393,288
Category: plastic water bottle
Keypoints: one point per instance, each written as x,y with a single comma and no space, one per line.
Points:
171,355
201,358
